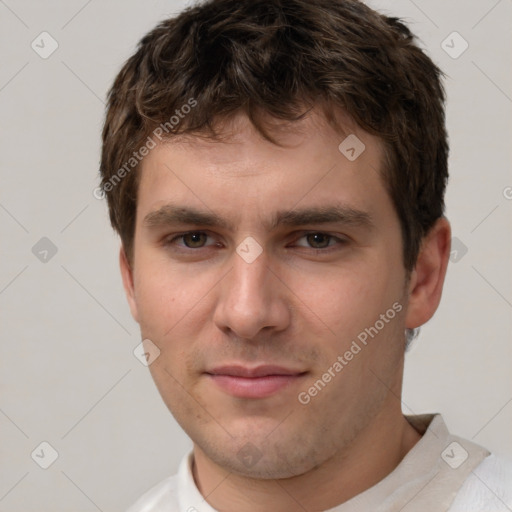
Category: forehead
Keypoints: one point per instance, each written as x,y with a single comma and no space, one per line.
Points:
311,162
237,131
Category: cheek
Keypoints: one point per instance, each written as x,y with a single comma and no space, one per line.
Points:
349,301
174,305
162,297
351,306
156,301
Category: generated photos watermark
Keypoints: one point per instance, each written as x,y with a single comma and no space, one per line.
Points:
355,348
158,134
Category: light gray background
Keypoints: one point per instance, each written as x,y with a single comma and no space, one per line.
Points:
68,375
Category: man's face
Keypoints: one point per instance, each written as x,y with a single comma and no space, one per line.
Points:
323,265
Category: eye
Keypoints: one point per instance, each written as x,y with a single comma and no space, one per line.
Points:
194,240
190,240
319,240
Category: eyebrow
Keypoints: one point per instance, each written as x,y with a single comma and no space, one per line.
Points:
170,214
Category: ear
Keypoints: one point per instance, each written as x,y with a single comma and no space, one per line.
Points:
427,278
127,275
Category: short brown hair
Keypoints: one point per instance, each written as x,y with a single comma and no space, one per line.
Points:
275,59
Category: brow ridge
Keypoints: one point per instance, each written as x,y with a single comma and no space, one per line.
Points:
170,214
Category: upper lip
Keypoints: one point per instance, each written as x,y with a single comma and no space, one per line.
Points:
258,371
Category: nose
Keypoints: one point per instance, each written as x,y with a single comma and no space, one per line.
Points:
251,299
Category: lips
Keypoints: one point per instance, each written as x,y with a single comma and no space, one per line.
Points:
258,371
258,382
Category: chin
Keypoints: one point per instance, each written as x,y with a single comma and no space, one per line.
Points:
266,454
263,466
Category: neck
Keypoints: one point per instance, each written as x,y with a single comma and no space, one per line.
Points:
374,454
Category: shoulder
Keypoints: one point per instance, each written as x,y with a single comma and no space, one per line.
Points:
489,487
163,497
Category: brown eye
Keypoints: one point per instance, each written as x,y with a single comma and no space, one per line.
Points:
318,240
194,240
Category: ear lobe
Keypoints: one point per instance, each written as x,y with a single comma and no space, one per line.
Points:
128,283
427,278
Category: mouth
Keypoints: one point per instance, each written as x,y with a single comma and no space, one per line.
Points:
258,382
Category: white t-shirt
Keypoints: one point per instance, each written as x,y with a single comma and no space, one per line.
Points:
441,473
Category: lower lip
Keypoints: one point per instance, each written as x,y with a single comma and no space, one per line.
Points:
254,387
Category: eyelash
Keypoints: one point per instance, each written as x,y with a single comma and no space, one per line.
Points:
340,241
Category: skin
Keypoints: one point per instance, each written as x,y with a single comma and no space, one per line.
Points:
299,304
